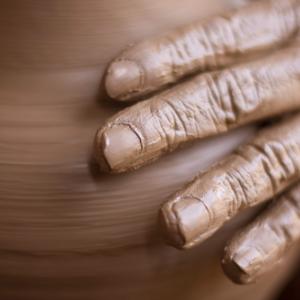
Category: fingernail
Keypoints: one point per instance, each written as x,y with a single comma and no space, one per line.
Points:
123,79
117,148
184,222
243,265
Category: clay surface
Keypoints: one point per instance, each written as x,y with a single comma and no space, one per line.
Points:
67,232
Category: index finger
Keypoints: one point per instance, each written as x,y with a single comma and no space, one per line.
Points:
150,65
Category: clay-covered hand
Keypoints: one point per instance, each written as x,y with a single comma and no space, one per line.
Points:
205,79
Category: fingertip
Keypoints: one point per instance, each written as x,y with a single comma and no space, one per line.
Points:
170,227
116,148
234,271
99,154
240,264
123,80
185,222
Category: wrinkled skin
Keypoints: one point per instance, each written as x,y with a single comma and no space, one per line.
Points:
210,95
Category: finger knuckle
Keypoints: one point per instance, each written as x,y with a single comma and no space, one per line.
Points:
287,13
239,187
234,96
279,161
173,121
286,226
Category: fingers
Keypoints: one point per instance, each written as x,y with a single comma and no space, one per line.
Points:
260,246
207,105
150,65
253,174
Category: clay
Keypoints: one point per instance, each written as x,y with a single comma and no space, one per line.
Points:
254,173
291,290
207,105
201,46
68,232
261,246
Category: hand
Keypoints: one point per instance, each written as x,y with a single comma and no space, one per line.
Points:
263,39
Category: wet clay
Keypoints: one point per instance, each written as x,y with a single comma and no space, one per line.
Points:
67,232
